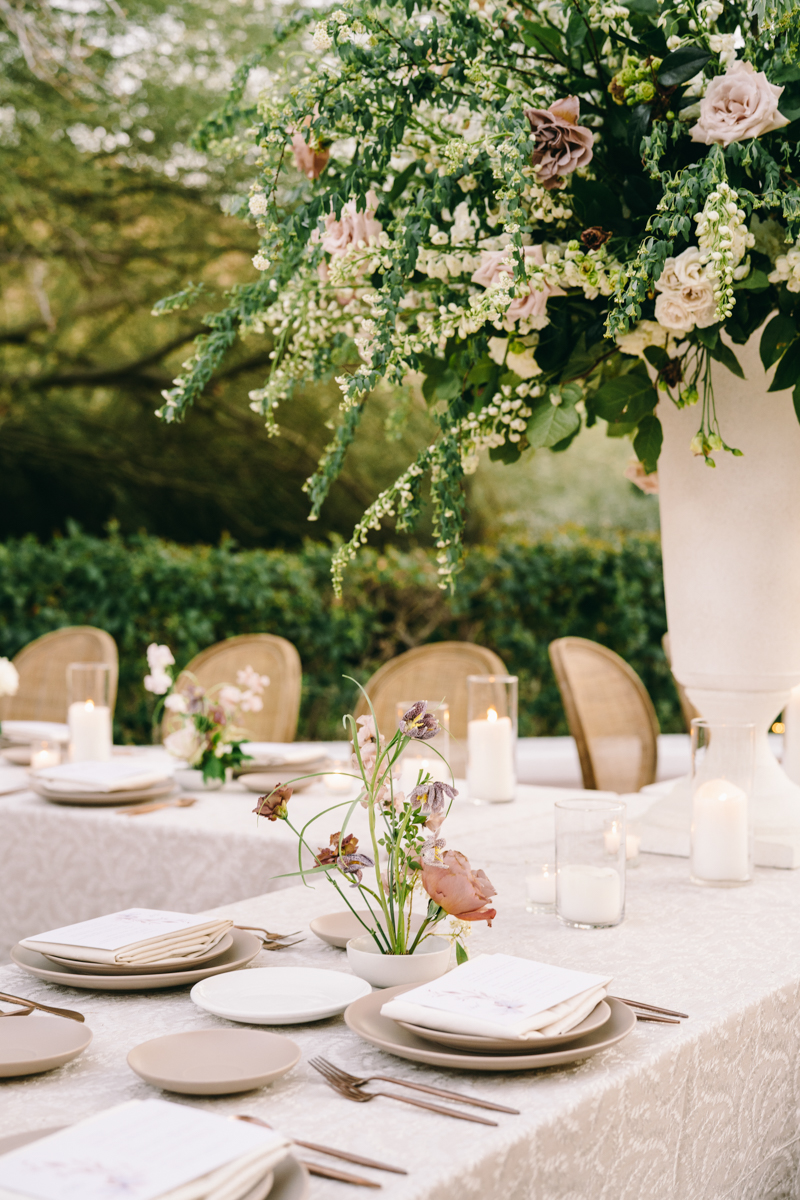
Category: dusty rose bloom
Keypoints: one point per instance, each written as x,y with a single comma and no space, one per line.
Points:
530,308
312,161
740,104
562,145
637,474
273,805
459,890
352,228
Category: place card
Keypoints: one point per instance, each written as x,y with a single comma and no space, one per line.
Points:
502,989
137,1151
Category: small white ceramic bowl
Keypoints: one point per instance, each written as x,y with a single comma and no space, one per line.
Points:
430,960
192,780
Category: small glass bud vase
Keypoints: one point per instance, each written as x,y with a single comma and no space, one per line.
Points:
491,738
590,862
723,759
431,757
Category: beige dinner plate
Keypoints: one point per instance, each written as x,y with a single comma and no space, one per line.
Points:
288,1181
30,1045
485,1045
130,796
364,1018
168,964
287,767
214,1062
265,781
339,927
244,948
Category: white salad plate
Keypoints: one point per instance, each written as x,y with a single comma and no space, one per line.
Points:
279,995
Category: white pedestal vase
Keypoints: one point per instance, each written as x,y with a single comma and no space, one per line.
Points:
731,552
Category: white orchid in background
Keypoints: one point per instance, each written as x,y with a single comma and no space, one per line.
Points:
9,678
159,681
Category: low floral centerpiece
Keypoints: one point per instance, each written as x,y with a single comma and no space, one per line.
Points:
407,859
206,734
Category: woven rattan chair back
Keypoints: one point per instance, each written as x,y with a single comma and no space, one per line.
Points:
268,655
42,666
687,708
609,713
434,672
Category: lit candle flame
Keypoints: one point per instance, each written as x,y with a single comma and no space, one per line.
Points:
89,704
491,714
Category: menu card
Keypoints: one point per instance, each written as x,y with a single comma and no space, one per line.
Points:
138,1151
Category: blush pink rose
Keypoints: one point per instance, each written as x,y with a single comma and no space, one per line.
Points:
523,308
562,145
352,227
460,891
740,104
311,161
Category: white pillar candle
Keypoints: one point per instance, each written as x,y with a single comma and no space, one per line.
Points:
490,758
791,737
589,895
540,885
89,732
719,831
337,782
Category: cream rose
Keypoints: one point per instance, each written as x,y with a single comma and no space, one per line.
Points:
740,104
686,293
646,333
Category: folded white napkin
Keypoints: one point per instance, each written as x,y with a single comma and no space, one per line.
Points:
119,775
500,996
136,936
34,731
234,1180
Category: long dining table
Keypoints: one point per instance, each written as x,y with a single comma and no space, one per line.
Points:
703,1110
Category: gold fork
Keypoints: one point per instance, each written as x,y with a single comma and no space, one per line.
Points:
31,1004
272,941
358,1081
333,1078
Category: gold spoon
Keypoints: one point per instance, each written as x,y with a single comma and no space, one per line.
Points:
182,802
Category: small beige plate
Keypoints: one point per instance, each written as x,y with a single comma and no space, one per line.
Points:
101,798
485,1045
288,1181
20,756
214,1062
244,948
29,1045
265,781
169,964
364,1018
338,928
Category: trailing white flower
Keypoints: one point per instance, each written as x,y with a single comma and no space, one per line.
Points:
787,269
724,240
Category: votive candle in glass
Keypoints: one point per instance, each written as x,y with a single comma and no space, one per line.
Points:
591,848
89,712
723,755
540,887
45,753
491,738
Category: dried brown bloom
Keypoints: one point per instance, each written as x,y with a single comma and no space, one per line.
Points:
594,237
273,804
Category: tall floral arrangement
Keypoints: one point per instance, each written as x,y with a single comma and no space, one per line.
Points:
544,213
407,850
205,721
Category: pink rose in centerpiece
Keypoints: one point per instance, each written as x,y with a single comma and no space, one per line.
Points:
353,228
740,104
311,160
531,307
562,145
460,891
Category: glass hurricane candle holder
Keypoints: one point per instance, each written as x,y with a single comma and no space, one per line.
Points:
723,759
89,712
45,753
431,757
590,862
491,738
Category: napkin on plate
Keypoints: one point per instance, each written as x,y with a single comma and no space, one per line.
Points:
119,775
144,1150
135,936
24,732
500,996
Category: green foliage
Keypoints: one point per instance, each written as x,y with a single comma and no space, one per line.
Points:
514,597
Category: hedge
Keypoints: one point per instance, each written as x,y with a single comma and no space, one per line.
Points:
514,597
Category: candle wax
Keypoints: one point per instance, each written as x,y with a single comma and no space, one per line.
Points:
89,732
719,832
490,759
589,895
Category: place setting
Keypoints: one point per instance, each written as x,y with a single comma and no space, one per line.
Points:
270,764
33,743
118,781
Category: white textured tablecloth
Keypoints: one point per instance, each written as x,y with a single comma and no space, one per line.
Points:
704,1111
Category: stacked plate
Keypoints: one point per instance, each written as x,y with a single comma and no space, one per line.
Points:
236,949
271,763
608,1024
120,781
16,738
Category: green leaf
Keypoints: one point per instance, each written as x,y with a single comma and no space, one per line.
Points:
756,281
566,442
708,337
551,423
788,372
577,28
682,64
647,442
776,339
624,396
723,353
796,401
400,182
446,386
461,954
509,452
656,356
